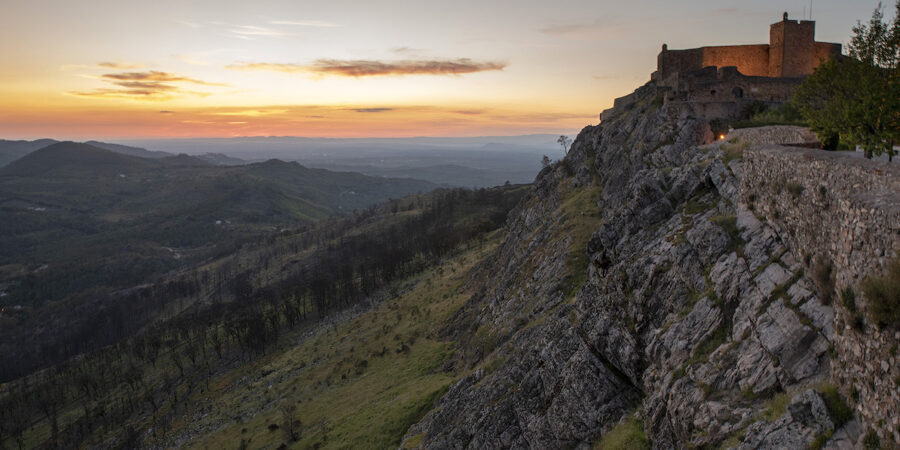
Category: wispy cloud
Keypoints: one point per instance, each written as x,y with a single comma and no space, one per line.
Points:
272,67
368,68
189,24
305,23
118,65
370,110
149,85
404,50
154,76
250,32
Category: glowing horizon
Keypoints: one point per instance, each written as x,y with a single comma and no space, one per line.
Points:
108,70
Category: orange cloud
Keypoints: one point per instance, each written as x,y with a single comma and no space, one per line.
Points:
150,85
367,68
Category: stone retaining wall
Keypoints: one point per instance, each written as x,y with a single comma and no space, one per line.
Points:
840,209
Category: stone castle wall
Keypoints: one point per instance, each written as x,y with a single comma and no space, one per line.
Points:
792,52
751,60
843,209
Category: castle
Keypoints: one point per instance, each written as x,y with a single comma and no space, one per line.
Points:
719,81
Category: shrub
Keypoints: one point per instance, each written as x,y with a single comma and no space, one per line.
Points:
821,440
848,299
822,278
883,294
729,224
795,189
838,409
760,115
871,441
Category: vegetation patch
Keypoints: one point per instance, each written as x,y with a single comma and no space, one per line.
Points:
821,440
794,188
777,405
848,299
627,435
883,295
341,406
871,441
582,219
838,409
733,150
694,206
760,115
712,341
823,278
729,224
414,441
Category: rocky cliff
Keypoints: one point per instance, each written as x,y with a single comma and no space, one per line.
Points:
635,284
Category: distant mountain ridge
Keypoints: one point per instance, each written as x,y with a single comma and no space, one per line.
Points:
11,151
128,150
77,157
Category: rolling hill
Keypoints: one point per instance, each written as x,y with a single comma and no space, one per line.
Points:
13,150
80,222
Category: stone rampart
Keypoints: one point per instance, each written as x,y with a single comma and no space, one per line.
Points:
840,209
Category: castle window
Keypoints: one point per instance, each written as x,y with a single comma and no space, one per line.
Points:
712,92
738,92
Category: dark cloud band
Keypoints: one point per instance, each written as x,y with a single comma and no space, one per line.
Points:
369,68
152,85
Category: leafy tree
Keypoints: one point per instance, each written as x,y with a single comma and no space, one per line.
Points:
857,98
545,161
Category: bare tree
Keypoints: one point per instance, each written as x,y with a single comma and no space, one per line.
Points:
290,422
564,141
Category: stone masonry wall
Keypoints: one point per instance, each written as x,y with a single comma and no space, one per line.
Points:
843,209
750,60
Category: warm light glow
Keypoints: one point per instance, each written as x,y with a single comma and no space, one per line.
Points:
103,69
721,137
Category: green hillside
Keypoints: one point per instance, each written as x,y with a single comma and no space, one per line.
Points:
82,224
226,331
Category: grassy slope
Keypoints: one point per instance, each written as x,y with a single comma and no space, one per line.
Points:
391,392
343,402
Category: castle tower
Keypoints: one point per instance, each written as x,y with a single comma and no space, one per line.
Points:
792,48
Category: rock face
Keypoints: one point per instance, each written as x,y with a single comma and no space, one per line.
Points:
633,280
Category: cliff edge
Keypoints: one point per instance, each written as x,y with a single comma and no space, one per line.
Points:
638,283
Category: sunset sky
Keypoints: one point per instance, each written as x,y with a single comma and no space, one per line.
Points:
119,69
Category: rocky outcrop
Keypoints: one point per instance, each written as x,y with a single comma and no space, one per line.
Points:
632,279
